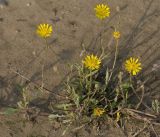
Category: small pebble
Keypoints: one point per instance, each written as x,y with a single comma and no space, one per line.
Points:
18,30
29,4
34,53
118,9
55,69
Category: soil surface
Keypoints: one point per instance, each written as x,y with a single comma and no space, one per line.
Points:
74,26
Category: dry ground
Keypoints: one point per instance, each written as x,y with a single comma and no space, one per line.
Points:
74,25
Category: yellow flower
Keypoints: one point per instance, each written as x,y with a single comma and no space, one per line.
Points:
133,66
98,111
92,62
116,34
118,116
44,30
102,11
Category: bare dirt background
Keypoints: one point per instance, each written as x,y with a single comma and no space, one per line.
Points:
74,24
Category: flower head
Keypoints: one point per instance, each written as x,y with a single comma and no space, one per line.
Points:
116,34
133,66
44,30
92,62
98,111
118,116
102,11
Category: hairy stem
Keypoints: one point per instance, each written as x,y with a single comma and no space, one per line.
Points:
114,63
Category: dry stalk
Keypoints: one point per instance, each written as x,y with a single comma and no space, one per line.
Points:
142,116
141,99
154,130
37,85
141,130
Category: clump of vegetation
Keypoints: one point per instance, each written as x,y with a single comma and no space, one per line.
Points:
96,93
93,95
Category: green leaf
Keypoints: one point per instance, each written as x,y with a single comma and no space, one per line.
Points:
10,111
94,101
107,77
63,106
97,85
126,95
66,121
19,88
54,116
156,105
126,85
91,73
113,105
76,98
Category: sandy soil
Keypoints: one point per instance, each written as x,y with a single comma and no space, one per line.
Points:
74,24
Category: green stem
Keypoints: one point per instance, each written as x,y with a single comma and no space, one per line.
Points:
130,78
115,58
89,89
47,46
46,43
90,84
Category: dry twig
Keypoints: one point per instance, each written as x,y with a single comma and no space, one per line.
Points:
37,85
